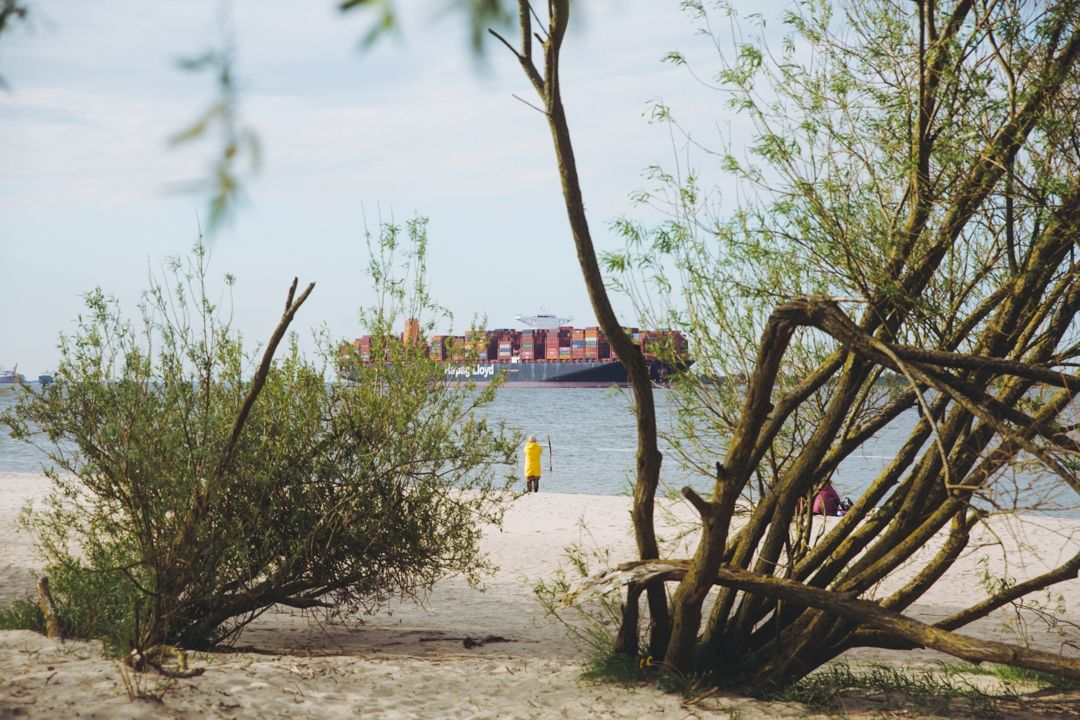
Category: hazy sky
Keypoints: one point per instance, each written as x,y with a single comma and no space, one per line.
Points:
415,126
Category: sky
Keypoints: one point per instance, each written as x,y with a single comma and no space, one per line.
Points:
414,126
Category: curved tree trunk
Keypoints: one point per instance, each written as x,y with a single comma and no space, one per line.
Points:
649,457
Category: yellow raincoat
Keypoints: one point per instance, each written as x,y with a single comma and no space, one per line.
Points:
532,459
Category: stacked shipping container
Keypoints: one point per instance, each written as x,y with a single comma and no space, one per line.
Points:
533,344
363,345
577,345
596,345
562,344
505,345
437,347
557,346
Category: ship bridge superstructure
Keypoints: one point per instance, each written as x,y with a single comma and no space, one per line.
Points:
543,320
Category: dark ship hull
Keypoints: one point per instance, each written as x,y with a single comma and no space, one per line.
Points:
555,373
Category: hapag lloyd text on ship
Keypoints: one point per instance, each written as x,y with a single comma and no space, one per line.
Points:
483,371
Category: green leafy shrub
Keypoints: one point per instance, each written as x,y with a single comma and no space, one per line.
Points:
22,615
195,487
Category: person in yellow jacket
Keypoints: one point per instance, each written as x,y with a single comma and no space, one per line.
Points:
532,464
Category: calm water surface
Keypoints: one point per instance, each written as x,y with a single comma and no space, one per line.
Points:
593,440
591,431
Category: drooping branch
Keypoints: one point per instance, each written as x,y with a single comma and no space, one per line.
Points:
1068,571
825,315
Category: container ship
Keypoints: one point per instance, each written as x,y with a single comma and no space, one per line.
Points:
547,354
11,377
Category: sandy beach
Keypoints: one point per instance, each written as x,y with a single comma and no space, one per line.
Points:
412,661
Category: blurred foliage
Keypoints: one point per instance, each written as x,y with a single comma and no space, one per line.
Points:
480,14
11,11
240,154
239,157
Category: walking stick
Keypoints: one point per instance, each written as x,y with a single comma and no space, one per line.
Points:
549,453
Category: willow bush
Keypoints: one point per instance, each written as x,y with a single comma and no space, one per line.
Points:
904,210
196,486
902,239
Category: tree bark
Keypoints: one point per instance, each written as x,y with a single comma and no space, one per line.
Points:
48,609
732,476
649,457
863,613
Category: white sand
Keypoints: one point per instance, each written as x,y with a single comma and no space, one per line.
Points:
408,661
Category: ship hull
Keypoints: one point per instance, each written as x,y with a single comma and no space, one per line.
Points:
540,373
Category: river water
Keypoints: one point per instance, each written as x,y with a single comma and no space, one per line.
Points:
593,440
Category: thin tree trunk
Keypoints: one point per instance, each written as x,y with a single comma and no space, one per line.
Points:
648,454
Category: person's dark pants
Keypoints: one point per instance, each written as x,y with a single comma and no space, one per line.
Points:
532,483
